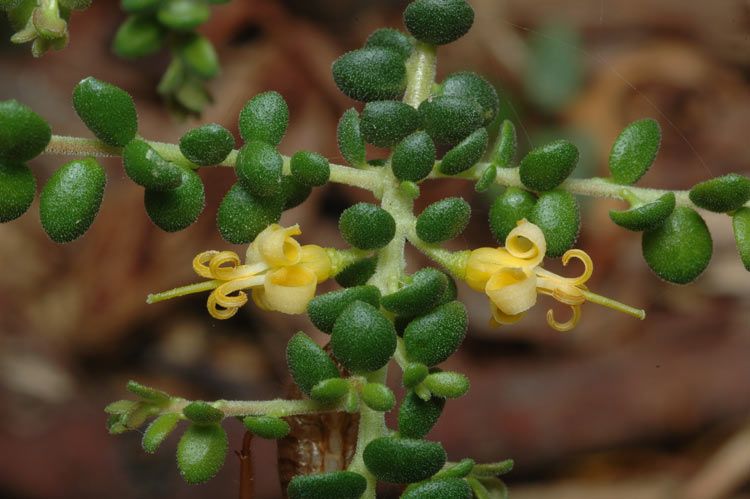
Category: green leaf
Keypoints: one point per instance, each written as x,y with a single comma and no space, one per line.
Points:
385,123
17,189
414,374
443,220
449,120
106,110
722,194
507,209
447,384
200,412
137,37
441,488
330,390
325,309
369,74
23,133
147,393
265,118
201,452
505,148
179,208
267,426
349,138
546,167
416,417
259,168
460,469
146,168
634,151
466,154
378,397
645,216
741,226
206,145
486,179
71,198
308,363
183,15
419,296
292,192
680,249
334,484
158,431
199,56
473,86
358,273
392,39
363,340
556,213
433,337
438,22
403,460
414,157
367,226
120,407
493,469
310,168
242,216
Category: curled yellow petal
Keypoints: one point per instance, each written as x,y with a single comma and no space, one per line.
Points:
276,246
289,289
481,264
588,266
499,318
559,288
316,259
512,290
564,326
200,264
526,242
230,293
216,312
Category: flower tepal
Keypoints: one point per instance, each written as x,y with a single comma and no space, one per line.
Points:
281,273
512,277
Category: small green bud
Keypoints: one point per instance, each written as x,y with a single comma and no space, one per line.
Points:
447,384
71,199
722,194
363,340
741,227
330,390
449,120
366,226
384,123
137,37
325,309
546,167
310,168
267,426
378,397
147,393
207,145
106,110
414,374
505,148
372,73
419,296
507,209
438,22
179,208
338,484
443,220
403,460
416,417
486,179
349,138
146,168
183,15
259,167
473,86
115,424
242,216
23,133
292,192
466,154
433,337
459,470
392,39
679,249
634,151
200,412
414,157
17,190
645,216
137,6
201,452
440,488
158,431
265,117
556,213
409,189
358,273
308,363
199,56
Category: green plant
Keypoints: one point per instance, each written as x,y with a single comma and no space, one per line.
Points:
43,23
382,314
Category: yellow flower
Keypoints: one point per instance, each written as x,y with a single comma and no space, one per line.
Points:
282,274
512,277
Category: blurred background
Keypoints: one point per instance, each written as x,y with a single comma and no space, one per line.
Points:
615,409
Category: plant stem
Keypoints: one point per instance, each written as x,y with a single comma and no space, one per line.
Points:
614,304
276,407
198,287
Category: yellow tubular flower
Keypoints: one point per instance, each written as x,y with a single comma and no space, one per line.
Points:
282,274
512,277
